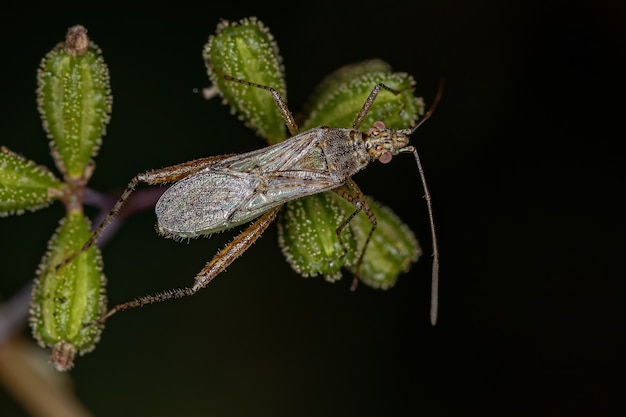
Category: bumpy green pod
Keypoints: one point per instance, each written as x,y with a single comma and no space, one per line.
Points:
391,250
339,97
310,246
25,185
246,50
74,101
67,300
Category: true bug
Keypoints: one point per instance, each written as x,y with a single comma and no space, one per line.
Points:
217,193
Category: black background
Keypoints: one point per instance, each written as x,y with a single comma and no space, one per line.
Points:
524,168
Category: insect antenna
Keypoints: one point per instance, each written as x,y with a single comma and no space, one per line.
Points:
433,106
434,291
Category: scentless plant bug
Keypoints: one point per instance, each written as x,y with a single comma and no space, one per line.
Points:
217,193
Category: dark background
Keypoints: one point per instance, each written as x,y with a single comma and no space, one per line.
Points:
523,164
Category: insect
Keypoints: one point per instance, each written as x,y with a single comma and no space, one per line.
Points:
219,192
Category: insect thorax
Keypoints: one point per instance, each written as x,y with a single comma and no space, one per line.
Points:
344,151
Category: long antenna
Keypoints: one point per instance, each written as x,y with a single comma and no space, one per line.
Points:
434,290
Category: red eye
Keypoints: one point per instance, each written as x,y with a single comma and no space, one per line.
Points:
385,157
379,125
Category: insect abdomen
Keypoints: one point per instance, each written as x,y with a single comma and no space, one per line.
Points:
202,204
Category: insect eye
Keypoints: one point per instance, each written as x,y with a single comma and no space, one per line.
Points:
385,157
379,125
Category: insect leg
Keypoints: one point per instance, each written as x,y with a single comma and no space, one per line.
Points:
369,102
157,176
234,249
353,194
280,103
219,262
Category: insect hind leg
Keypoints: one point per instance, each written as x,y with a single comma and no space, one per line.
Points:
213,268
157,176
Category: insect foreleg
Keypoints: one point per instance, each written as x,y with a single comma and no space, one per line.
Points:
218,264
353,194
369,102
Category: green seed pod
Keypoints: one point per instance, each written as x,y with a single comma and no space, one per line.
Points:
25,185
309,244
247,50
340,96
74,101
391,250
67,301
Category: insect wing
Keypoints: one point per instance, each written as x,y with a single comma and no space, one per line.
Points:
239,188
